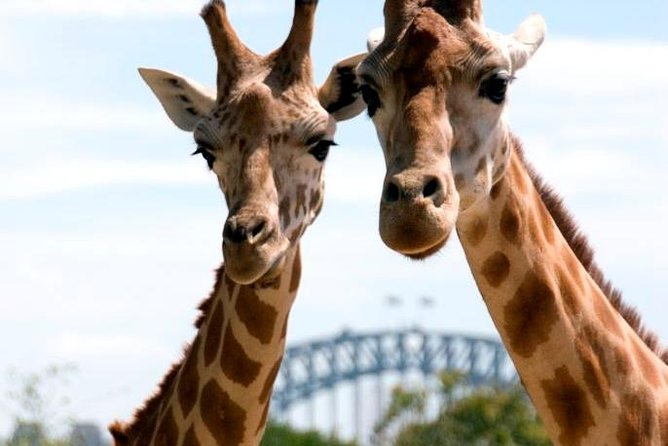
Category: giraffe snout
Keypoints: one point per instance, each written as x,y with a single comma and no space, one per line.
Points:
408,188
252,230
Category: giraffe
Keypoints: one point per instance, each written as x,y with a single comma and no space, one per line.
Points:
436,87
265,133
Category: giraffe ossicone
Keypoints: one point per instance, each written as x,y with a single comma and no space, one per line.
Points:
265,131
436,86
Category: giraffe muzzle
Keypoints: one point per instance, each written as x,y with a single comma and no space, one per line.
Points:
252,246
418,211
252,231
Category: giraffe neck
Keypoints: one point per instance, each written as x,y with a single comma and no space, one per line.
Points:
591,377
220,392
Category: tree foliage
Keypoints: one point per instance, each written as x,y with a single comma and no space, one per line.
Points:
39,406
283,435
475,417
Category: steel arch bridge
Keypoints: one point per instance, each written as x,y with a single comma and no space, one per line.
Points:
316,366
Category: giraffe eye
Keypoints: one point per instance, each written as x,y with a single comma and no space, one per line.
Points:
320,150
371,98
495,87
207,154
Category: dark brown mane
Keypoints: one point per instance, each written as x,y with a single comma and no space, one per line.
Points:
146,417
585,254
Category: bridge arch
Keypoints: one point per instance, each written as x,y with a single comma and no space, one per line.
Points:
314,366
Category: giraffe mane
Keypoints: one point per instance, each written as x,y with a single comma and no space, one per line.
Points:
579,243
146,414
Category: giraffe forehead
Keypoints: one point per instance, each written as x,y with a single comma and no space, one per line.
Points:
263,115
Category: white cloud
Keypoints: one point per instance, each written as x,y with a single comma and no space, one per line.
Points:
589,67
126,8
354,175
28,112
66,175
74,346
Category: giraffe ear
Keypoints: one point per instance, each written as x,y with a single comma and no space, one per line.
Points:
375,38
184,100
340,94
524,42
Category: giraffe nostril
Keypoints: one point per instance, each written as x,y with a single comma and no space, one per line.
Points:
250,231
257,230
432,187
392,193
234,233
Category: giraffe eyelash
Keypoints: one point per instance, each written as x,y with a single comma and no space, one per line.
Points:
320,149
206,153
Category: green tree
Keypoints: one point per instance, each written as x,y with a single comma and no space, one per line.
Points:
283,435
39,406
472,417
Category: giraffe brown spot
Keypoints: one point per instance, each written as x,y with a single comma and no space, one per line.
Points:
569,294
569,406
236,364
459,181
622,361
273,283
284,212
146,434
319,207
263,419
258,317
591,352
510,223
636,426
300,204
214,334
191,438
530,315
495,192
269,383
315,199
224,418
296,272
188,386
294,235
168,432
476,231
482,165
284,331
646,365
496,269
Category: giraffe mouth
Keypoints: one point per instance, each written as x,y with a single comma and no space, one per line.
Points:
416,231
421,255
247,263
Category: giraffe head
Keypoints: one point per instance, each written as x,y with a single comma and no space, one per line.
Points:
436,88
265,133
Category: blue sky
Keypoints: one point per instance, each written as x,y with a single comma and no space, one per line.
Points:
110,232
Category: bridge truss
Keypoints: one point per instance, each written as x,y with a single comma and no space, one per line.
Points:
317,366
